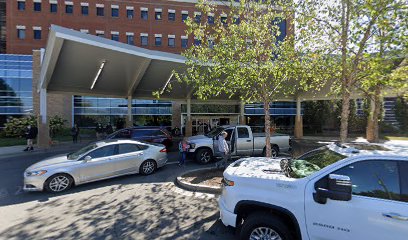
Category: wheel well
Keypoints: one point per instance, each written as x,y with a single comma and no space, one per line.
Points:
245,208
155,163
272,145
201,148
73,179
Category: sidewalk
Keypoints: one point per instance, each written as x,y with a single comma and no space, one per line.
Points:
18,150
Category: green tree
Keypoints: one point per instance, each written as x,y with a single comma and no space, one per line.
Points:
248,55
350,28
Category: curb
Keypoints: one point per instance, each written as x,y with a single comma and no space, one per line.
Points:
197,187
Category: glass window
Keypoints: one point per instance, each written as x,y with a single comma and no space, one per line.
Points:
184,17
157,41
115,37
21,33
172,42
376,178
85,10
130,39
130,13
115,12
404,181
158,15
69,9
53,7
144,40
144,15
37,7
197,42
184,43
197,18
229,132
21,6
103,152
236,20
243,132
100,35
210,19
100,11
172,16
37,34
224,20
128,148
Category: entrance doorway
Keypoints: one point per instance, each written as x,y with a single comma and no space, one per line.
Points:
202,124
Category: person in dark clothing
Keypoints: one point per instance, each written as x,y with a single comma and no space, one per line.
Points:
108,129
30,134
75,133
99,132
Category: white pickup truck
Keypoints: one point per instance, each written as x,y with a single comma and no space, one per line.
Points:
242,142
351,191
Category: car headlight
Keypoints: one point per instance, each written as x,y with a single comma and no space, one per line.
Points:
36,173
192,145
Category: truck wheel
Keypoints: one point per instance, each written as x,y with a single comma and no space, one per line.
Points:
204,156
264,226
274,151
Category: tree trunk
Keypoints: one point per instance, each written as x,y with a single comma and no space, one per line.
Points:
372,133
267,129
345,81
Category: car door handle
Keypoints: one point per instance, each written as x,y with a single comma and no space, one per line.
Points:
249,140
395,216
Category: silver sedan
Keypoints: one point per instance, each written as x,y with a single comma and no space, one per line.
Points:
97,161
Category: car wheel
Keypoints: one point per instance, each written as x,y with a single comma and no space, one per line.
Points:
204,156
274,151
58,183
264,226
147,167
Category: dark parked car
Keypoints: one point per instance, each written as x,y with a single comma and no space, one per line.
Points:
147,134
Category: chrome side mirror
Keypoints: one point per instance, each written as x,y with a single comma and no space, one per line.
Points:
87,158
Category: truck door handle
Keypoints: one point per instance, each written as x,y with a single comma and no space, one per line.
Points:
395,216
249,140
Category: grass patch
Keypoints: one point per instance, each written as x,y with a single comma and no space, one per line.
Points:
395,138
6,142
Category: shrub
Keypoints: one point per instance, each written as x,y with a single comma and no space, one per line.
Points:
56,125
16,127
401,113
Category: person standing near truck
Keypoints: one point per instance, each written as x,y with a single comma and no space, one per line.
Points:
224,150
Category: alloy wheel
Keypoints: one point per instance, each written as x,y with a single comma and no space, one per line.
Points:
205,157
148,167
59,183
264,233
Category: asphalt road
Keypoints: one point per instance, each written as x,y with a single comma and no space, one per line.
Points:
129,207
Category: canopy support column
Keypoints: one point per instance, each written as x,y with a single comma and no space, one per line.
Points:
242,113
129,117
189,122
43,138
298,120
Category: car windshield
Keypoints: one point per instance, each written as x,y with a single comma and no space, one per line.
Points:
313,161
214,132
80,152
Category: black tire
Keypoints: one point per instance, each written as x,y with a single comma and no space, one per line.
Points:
263,221
204,156
147,167
274,150
55,183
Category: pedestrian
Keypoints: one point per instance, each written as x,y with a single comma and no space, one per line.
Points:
99,131
183,148
75,133
224,149
30,134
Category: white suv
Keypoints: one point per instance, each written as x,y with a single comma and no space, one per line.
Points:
351,191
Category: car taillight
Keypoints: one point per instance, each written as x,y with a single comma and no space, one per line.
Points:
163,150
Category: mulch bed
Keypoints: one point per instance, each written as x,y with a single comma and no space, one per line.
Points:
211,177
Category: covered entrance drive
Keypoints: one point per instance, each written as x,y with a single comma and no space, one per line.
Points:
83,64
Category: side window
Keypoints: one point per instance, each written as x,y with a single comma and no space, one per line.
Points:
376,178
404,181
103,152
123,134
243,132
143,147
127,148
